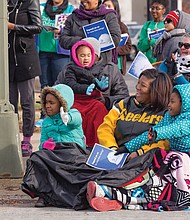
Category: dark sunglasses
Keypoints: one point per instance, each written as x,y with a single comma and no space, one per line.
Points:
167,20
186,45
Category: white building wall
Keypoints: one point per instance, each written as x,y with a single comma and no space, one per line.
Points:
139,11
126,10
179,4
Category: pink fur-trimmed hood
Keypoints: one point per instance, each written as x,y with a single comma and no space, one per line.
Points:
74,56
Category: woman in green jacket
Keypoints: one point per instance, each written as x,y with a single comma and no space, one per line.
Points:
146,43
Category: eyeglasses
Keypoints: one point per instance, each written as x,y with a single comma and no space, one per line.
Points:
155,8
186,45
167,20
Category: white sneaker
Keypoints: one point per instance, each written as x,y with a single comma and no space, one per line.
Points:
94,190
99,191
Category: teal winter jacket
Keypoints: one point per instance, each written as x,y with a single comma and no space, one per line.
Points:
53,126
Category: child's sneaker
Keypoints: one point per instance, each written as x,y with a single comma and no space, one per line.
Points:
97,200
94,190
105,204
26,148
39,123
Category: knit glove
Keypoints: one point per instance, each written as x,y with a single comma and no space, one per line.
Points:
90,89
121,150
49,144
151,136
64,116
103,83
172,66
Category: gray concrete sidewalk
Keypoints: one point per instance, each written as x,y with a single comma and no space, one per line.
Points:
49,213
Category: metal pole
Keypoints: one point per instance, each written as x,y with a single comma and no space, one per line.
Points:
11,165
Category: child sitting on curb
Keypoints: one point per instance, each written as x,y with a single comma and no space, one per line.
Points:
62,124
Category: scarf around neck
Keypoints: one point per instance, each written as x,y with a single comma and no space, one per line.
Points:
183,64
84,14
100,11
49,9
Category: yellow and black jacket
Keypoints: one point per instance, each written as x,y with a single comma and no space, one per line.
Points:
125,121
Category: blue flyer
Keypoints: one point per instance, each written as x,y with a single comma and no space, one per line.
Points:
156,34
139,64
124,38
100,31
103,158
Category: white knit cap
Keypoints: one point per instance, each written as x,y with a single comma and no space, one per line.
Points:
95,44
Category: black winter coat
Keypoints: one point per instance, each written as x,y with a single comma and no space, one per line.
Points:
23,56
79,79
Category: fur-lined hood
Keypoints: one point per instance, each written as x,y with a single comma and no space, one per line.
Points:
62,92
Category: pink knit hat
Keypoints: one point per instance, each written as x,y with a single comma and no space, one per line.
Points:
174,16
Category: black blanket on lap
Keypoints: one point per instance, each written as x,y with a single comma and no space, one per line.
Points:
60,176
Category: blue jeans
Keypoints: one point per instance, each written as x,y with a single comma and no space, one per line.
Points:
51,65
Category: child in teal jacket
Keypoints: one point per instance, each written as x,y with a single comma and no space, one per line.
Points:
62,123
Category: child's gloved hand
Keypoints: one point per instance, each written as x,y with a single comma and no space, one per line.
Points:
90,89
49,144
64,116
103,83
121,150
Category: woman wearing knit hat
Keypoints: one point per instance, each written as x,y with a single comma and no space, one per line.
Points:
176,24
171,18
96,85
